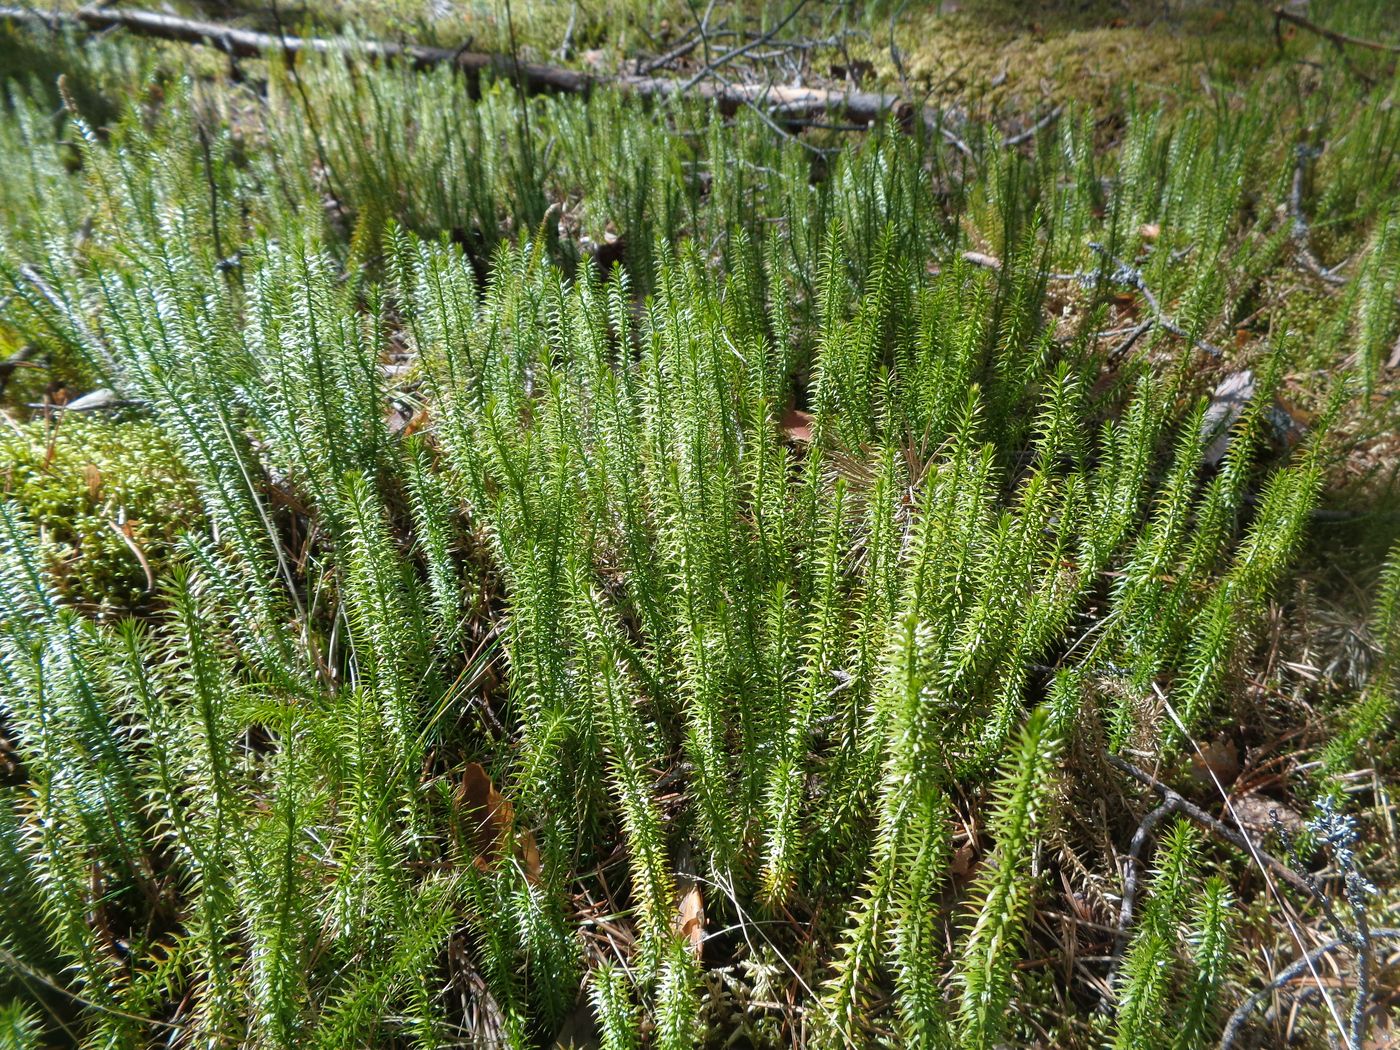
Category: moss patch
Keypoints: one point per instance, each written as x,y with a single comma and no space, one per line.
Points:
99,492
1013,55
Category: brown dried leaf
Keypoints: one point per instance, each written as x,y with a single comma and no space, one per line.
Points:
93,477
529,855
691,918
402,423
488,814
1149,231
491,818
1217,760
964,859
1289,422
796,425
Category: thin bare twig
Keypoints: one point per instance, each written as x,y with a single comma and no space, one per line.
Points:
1301,231
1132,872
1034,130
1258,857
1130,341
1215,827
1282,14
566,46
689,44
140,555
1131,277
1234,1026
729,56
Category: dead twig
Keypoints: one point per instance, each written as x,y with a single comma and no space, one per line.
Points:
1131,277
1130,341
566,46
1034,130
662,61
1221,830
743,49
1301,231
1307,963
1132,872
136,550
248,43
1282,14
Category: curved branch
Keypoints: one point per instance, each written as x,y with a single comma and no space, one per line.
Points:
1297,969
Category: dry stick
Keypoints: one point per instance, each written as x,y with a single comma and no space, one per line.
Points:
1133,336
1035,129
1297,969
1254,853
702,24
1301,236
1173,802
1365,948
1131,277
895,56
952,139
759,110
1132,871
742,49
566,46
1282,14
1300,229
140,556
1188,809
662,61
797,104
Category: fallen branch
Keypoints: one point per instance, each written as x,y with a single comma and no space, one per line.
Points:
794,105
729,56
1282,14
1173,802
1032,131
1132,872
249,43
1296,970
1221,830
1131,277
1301,231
